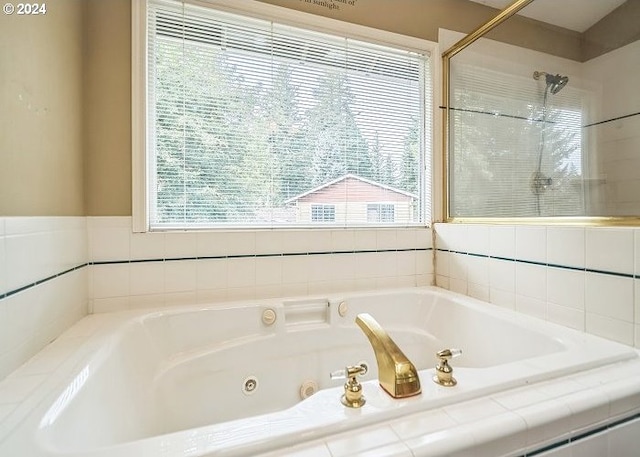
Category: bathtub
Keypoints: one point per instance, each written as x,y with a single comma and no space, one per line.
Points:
238,379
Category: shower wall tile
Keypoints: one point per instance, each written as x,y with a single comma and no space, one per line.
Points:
529,240
502,298
610,249
609,296
566,246
479,291
364,240
458,266
43,283
341,240
146,245
531,306
458,285
587,279
180,276
478,239
502,274
636,296
619,88
478,270
613,329
211,274
210,244
147,278
173,268
502,241
269,271
566,288
180,245
531,281
617,138
238,243
111,280
3,261
109,238
453,237
567,316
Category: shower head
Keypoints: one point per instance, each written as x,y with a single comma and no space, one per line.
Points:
555,83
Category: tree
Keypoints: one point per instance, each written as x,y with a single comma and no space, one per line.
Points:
290,149
210,155
337,142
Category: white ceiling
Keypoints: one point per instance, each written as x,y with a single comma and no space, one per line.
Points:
576,15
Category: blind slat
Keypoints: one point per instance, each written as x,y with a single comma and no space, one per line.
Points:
254,123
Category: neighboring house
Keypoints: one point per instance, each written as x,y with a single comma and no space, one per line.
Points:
353,199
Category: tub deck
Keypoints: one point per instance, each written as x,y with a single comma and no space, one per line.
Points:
174,381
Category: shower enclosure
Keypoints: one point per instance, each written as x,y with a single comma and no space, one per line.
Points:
542,120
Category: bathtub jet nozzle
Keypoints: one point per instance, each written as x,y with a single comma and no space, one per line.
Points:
397,375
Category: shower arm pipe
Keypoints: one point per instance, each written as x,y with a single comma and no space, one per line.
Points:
502,16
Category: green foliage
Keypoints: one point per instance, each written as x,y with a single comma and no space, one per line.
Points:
232,147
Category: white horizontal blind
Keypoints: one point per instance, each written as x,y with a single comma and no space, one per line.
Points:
253,123
499,134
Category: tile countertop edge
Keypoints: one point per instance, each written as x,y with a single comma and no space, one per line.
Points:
612,401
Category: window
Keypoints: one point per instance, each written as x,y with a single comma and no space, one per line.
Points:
378,212
323,213
248,121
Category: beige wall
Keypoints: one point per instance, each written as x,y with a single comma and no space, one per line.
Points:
107,107
41,112
617,29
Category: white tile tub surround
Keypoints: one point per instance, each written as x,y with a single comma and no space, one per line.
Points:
585,278
40,293
213,266
616,135
467,420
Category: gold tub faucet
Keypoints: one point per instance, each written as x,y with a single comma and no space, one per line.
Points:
396,374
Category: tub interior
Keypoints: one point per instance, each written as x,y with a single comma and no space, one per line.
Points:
178,370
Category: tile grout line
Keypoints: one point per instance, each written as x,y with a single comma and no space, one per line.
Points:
12,292
544,264
581,436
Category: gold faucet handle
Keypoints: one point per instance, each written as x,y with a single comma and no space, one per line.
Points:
352,397
444,372
448,354
350,371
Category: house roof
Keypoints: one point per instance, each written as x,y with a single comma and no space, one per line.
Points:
353,177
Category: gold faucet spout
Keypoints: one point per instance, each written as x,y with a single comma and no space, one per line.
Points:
396,374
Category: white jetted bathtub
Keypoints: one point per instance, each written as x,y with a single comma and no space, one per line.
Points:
226,380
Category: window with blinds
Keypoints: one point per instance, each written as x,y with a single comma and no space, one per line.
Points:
257,124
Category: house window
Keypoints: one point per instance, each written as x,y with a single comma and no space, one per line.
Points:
323,213
246,117
380,212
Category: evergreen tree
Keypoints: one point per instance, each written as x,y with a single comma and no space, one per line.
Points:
337,142
291,154
210,155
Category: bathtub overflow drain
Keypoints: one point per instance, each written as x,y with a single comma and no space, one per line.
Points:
250,385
